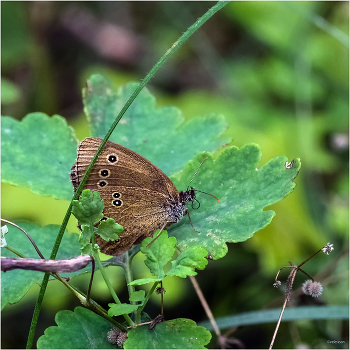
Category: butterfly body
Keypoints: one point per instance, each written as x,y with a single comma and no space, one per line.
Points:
136,194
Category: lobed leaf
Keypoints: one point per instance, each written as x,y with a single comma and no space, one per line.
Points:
85,239
194,257
180,333
81,329
141,281
243,190
158,253
89,208
143,126
16,283
87,249
137,296
38,152
109,230
121,309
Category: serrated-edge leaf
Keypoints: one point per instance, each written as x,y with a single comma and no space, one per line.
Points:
121,309
158,253
51,146
174,334
137,295
89,208
16,283
144,125
192,258
109,229
85,235
81,329
244,191
141,281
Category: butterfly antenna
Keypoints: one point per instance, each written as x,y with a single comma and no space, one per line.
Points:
209,194
195,175
197,170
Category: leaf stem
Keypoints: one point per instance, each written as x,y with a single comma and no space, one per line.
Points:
155,284
128,274
110,287
14,252
129,278
103,272
30,238
37,311
92,305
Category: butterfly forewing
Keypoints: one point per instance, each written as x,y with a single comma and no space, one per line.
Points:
136,194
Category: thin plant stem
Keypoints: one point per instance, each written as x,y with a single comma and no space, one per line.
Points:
284,267
30,238
37,311
205,306
14,252
128,273
92,305
305,273
129,278
289,286
104,275
110,287
161,300
91,279
155,284
278,323
305,261
190,31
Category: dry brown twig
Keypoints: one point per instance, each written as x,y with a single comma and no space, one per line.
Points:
310,287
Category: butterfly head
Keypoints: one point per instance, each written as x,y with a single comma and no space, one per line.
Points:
190,196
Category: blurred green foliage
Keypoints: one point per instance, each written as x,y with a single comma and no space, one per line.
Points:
278,72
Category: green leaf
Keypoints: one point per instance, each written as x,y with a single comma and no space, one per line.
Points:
85,235
109,230
137,296
88,209
180,333
121,309
85,239
141,281
39,152
16,283
81,329
159,253
143,126
87,249
194,257
243,190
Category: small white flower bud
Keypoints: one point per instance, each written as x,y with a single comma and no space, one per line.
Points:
312,288
327,248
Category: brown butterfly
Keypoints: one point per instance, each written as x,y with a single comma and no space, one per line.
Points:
136,194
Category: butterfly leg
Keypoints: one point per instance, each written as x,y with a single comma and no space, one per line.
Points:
157,234
188,214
